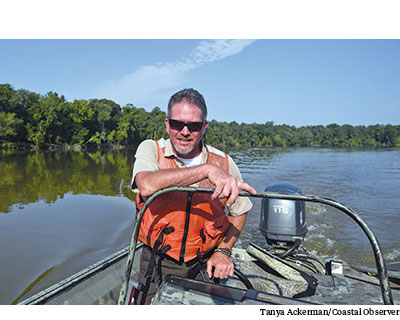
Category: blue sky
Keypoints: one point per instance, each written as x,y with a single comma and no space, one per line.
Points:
319,80
297,82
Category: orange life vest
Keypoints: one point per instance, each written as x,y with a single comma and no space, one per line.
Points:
187,225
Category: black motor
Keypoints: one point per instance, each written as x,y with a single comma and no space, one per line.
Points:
283,222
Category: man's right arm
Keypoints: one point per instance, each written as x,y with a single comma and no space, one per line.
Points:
226,186
149,182
149,178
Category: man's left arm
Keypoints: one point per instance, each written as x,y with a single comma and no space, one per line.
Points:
220,262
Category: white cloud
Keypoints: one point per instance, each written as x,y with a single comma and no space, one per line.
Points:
147,83
209,51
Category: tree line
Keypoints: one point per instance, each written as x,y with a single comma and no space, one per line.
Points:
30,119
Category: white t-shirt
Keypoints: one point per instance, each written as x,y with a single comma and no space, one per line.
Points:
192,162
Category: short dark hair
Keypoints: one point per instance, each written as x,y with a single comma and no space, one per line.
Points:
193,97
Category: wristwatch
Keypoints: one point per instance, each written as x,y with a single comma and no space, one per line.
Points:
225,251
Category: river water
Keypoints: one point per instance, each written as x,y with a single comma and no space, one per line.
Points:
62,211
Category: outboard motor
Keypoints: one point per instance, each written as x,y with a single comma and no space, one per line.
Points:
283,222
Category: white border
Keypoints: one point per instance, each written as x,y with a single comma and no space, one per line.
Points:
217,19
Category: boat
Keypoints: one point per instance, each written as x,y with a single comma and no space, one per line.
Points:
281,273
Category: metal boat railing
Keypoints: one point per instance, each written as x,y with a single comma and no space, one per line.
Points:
379,259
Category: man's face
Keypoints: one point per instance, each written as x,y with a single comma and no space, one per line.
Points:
186,143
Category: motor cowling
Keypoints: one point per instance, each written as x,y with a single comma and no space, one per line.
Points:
283,221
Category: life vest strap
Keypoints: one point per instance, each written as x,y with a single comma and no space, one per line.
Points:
152,261
186,228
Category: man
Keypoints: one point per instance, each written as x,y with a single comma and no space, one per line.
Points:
182,230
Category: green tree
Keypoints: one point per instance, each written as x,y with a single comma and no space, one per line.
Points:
46,117
78,118
6,93
8,125
27,117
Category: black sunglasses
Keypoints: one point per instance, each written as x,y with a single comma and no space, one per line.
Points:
179,125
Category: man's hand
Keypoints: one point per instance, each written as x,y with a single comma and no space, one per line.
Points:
226,186
222,264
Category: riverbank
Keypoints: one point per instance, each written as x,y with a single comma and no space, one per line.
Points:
227,148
